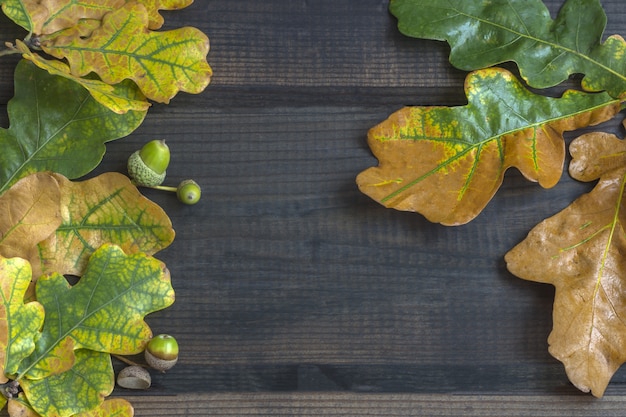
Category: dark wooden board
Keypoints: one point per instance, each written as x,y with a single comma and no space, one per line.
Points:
298,295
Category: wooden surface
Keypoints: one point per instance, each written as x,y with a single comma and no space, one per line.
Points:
298,295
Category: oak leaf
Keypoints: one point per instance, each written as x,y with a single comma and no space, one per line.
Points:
103,312
83,387
43,136
448,162
114,407
119,98
581,252
20,322
104,209
47,17
31,212
123,47
547,52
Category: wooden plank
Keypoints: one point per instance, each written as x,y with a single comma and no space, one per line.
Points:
391,405
296,294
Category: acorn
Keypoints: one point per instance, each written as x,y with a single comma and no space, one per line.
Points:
134,377
162,352
147,166
188,192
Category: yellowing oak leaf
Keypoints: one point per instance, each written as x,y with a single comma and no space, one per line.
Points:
83,387
30,213
447,163
104,209
72,392
123,47
46,17
120,98
581,251
103,312
117,407
19,322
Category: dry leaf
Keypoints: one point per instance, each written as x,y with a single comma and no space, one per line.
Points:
581,251
30,213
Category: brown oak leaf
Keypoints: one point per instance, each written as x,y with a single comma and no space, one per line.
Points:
581,251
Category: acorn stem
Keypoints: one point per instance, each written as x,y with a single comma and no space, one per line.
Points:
165,188
156,187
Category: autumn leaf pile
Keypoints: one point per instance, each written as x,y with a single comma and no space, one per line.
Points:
448,162
106,61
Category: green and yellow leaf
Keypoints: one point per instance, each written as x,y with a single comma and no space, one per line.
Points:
123,47
447,163
19,12
77,390
44,136
105,209
115,407
581,252
484,33
119,98
20,322
104,312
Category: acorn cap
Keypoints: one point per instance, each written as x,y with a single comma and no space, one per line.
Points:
141,174
134,377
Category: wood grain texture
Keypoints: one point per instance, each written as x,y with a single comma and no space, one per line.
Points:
296,294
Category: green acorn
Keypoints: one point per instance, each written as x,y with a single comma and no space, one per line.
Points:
147,166
162,352
188,192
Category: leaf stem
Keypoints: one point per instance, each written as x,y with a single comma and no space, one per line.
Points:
9,49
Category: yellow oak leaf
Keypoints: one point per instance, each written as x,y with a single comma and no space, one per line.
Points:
123,47
104,209
46,17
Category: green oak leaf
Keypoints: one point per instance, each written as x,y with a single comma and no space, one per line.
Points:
483,33
79,389
123,47
44,136
20,322
104,209
104,311
448,162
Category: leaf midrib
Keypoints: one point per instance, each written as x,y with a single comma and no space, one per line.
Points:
479,145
